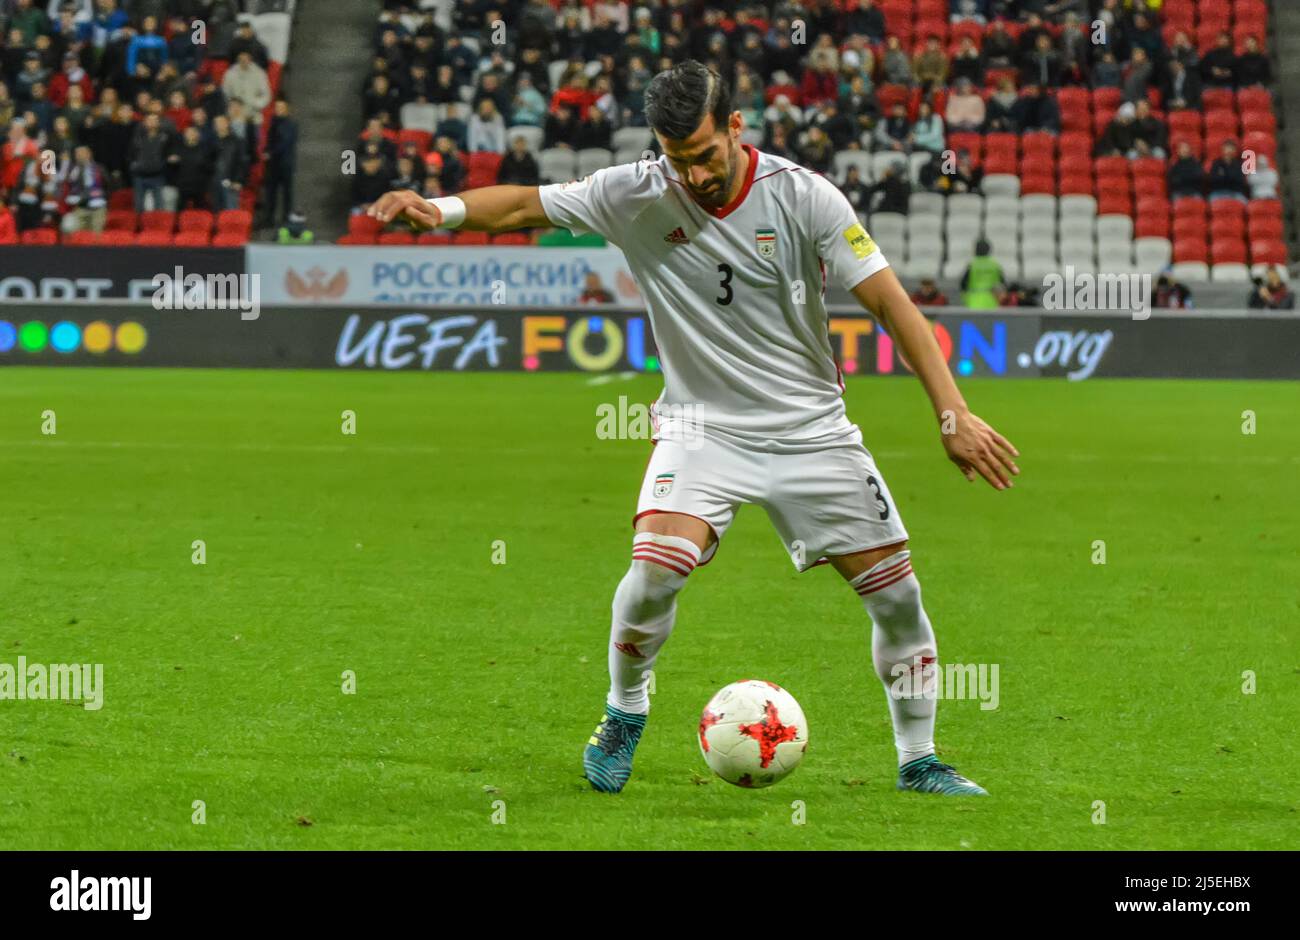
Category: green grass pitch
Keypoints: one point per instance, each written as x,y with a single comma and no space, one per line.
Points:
478,682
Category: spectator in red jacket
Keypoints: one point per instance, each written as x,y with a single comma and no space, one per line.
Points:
574,95
8,227
15,153
71,74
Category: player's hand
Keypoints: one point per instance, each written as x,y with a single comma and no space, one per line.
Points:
978,449
419,213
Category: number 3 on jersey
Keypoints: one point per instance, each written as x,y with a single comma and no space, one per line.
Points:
724,269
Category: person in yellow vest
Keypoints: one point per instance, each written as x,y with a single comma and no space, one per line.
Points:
295,231
982,279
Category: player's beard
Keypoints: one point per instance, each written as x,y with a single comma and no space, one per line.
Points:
716,198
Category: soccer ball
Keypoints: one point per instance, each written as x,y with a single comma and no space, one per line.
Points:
753,733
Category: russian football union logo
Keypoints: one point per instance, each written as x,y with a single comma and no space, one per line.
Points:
765,239
663,484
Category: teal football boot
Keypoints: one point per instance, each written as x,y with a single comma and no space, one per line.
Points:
927,775
607,759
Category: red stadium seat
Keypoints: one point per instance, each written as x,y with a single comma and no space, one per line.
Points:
396,238
971,143
116,237
234,220
1265,121
1264,208
1189,228
81,238
1000,142
1260,142
1151,185
158,221
1144,167
1228,251
153,238
1114,202
1185,121
40,236
1228,209
510,238
469,238
1111,166
422,139
1076,143
1075,184
434,238
1254,98
1151,226
122,199
192,238
121,220
1038,183
1261,229
1268,251
1107,99
1001,163
1152,206
1191,250
361,224
889,95
1216,99
1226,227
229,239
365,238
1035,143
1189,207
194,220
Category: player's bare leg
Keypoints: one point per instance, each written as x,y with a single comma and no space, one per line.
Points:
665,550
905,655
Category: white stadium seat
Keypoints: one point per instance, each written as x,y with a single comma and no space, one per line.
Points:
557,165
969,204
1001,184
591,159
1114,226
419,117
1151,254
1191,271
1229,272
628,137
847,158
533,135
926,204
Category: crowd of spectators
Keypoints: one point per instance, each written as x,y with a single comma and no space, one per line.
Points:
166,100
996,69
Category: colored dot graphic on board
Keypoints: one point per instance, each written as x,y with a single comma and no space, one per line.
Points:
97,337
130,337
32,336
66,337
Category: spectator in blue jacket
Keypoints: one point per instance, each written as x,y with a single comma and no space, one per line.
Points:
147,47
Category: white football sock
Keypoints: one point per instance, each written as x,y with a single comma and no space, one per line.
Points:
645,606
903,650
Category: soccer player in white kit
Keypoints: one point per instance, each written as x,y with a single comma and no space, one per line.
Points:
731,248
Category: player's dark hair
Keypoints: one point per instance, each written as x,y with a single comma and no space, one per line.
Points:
678,100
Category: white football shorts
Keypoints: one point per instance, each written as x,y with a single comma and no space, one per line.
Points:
831,501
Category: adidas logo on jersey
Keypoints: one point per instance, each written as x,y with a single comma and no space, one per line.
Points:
677,237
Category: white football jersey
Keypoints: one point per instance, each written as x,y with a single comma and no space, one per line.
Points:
735,295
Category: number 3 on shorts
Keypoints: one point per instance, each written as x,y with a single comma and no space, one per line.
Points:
880,498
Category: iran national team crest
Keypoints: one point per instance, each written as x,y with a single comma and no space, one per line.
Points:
664,484
765,239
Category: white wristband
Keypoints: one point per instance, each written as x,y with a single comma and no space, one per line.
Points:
452,209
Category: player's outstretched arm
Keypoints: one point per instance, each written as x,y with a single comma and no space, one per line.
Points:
490,209
970,442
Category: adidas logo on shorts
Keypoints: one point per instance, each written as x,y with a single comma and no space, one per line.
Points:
677,237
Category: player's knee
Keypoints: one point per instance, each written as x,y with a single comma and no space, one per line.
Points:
660,567
890,589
